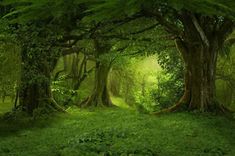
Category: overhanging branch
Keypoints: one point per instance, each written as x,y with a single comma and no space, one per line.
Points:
170,27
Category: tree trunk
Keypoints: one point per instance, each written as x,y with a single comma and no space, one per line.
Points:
200,70
34,95
35,86
100,95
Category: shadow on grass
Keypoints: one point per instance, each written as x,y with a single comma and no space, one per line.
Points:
14,125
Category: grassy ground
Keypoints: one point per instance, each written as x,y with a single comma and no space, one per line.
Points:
118,131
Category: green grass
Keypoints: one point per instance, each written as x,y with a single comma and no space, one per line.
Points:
119,131
5,107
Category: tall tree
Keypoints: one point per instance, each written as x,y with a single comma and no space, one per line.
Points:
100,95
43,29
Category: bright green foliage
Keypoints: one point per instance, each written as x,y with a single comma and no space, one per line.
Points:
170,81
149,82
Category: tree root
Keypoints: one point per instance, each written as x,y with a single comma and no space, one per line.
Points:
217,108
49,104
184,99
56,106
170,109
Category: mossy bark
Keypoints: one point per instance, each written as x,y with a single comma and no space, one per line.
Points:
100,95
35,86
200,71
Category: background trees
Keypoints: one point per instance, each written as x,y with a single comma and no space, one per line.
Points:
199,35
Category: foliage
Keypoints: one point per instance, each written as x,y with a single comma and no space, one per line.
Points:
61,91
9,68
170,81
151,82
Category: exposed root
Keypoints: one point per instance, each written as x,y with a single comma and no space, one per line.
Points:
83,103
170,109
56,106
184,99
216,108
49,105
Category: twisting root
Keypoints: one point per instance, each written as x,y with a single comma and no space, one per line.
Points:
184,99
56,106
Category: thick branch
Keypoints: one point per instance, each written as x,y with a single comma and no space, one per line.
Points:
200,30
145,29
170,27
131,38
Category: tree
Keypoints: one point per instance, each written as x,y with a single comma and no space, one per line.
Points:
42,28
100,94
199,28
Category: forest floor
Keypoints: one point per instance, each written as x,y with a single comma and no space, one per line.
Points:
118,131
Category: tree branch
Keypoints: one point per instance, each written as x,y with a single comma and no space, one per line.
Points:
170,27
200,30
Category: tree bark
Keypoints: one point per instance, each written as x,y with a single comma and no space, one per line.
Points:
35,84
200,70
100,95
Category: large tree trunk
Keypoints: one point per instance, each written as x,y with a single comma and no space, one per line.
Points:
100,95
35,86
200,70
34,95
200,66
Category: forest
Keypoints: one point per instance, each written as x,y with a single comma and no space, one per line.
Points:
117,78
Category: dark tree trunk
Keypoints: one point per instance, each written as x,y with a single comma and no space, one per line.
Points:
35,89
35,86
100,95
200,66
200,71
35,95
